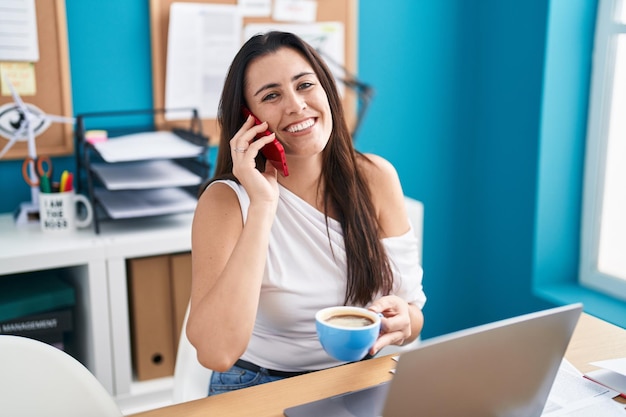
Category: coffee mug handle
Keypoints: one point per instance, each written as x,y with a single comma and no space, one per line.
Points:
79,198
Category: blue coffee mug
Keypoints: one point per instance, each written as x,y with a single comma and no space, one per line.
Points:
345,341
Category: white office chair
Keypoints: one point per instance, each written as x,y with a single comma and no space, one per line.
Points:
37,379
191,380
415,211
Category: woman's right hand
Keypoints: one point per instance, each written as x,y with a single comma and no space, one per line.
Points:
260,186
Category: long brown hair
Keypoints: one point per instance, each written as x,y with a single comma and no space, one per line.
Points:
347,192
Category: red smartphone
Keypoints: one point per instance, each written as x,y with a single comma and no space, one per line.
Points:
273,151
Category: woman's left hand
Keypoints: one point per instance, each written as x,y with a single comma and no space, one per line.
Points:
395,325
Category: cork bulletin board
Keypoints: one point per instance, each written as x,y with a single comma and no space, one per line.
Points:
344,11
52,79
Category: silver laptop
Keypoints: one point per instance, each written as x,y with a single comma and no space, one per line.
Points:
503,369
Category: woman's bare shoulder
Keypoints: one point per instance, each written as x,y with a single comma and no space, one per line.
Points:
387,195
378,171
217,200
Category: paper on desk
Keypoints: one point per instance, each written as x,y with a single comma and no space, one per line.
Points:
144,174
615,365
591,407
571,392
147,145
613,374
609,379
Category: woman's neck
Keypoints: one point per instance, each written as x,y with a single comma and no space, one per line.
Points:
305,181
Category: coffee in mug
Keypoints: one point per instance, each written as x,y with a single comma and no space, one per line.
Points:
350,320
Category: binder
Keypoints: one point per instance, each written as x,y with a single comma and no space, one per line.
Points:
180,276
151,317
52,327
51,323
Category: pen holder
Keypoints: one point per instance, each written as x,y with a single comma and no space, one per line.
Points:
57,211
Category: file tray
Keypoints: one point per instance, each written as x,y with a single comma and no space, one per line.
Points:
27,294
136,172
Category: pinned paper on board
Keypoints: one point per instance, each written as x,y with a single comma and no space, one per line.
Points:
22,76
202,41
301,11
18,37
255,8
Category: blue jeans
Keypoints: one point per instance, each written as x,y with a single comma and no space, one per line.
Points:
237,378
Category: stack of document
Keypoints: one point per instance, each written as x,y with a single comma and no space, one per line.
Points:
574,395
139,177
144,174
612,374
147,145
143,203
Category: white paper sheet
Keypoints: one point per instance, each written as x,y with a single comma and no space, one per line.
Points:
144,174
572,394
255,8
609,379
612,374
591,407
203,39
18,37
302,11
616,365
146,145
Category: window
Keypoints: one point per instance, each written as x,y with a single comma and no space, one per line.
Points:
603,244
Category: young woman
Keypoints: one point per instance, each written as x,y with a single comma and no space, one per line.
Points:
270,250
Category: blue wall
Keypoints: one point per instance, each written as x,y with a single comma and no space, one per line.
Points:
458,113
458,110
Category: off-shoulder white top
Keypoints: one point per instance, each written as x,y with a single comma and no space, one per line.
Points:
303,275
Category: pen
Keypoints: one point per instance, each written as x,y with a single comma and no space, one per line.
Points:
63,184
44,184
69,186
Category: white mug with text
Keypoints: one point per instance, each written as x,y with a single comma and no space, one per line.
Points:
58,213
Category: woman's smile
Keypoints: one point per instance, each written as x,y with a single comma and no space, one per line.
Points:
300,126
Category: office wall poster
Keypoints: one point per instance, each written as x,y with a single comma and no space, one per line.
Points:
202,41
